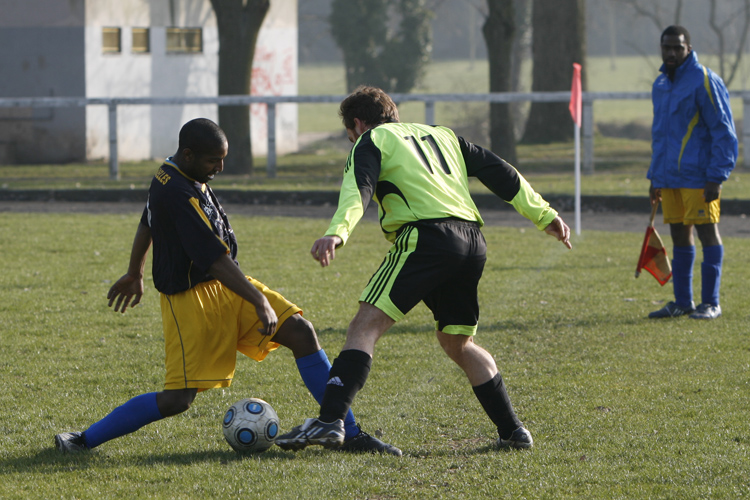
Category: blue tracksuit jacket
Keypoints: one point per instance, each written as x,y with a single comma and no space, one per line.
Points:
693,136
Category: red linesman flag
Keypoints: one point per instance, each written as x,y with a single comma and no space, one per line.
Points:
653,256
575,95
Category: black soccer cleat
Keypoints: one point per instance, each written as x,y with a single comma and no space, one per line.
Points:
365,443
313,431
70,442
519,439
672,310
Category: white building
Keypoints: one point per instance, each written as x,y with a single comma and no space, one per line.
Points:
129,48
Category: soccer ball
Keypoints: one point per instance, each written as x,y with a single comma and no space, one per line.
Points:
251,425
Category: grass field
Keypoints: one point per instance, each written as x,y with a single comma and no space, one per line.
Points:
619,406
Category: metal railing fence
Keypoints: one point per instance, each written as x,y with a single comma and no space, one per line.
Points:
429,100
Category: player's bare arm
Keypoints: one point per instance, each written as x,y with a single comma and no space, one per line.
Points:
128,290
232,277
324,249
560,230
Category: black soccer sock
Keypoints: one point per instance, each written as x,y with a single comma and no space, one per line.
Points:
347,376
496,403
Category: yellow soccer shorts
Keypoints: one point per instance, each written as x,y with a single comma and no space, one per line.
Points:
686,205
205,326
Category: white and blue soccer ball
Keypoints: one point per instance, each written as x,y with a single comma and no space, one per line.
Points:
251,425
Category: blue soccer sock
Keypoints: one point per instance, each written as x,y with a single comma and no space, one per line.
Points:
682,275
129,417
314,369
713,256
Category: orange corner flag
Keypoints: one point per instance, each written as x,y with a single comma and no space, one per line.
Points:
653,256
575,95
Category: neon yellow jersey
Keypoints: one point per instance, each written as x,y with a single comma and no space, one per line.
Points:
419,172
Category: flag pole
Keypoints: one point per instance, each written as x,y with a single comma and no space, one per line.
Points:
575,106
578,178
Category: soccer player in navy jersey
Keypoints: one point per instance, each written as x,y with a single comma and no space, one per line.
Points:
210,308
418,175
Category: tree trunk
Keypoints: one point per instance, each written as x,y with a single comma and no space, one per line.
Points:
521,52
558,41
238,34
499,29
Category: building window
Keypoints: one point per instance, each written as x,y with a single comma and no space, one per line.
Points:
141,41
111,41
184,40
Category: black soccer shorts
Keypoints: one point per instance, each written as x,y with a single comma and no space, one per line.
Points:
438,262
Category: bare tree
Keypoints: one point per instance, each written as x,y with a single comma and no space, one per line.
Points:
499,32
521,52
239,22
720,29
728,21
656,12
559,40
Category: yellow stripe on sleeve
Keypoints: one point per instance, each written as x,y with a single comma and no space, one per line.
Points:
707,85
686,138
197,206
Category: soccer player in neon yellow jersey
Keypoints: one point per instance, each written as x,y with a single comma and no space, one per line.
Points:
418,175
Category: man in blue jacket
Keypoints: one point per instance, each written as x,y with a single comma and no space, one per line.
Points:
694,148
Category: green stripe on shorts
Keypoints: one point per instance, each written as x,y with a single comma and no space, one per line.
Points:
377,291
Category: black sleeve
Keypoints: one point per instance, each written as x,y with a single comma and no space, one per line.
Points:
365,160
497,174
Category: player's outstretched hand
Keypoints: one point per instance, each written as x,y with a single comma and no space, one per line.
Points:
560,230
324,249
126,292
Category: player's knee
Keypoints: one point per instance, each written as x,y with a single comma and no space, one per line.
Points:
453,352
298,334
708,234
172,403
303,330
453,345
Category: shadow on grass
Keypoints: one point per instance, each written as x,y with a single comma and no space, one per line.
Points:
51,461
547,323
465,448
537,322
48,461
222,457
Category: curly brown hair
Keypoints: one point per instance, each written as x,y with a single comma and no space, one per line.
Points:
370,104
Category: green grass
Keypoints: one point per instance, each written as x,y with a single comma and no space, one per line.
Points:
620,406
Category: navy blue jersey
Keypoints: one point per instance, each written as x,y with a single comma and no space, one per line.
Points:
189,230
